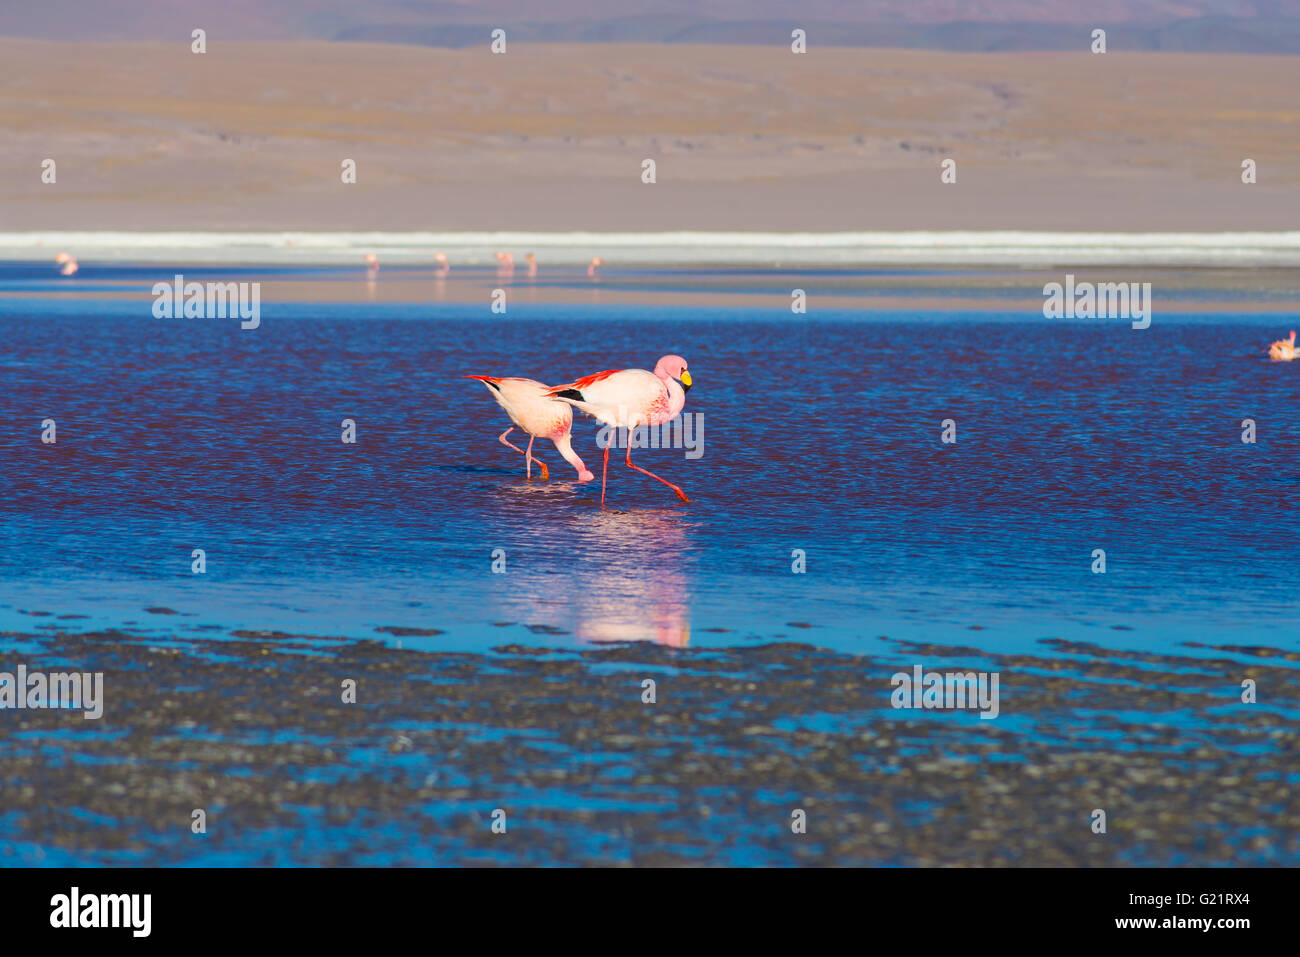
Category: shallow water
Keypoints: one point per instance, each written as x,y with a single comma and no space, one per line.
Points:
586,771
821,434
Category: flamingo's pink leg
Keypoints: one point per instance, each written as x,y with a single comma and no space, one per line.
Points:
502,439
529,458
680,493
604,472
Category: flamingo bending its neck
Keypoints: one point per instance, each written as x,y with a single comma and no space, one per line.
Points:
507,264
530,408
628,398
67,263
596,263
1284,349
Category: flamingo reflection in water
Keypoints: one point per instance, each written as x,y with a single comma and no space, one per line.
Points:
630,584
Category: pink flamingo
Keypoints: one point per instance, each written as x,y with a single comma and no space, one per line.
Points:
596,263
1284,349
68,264
372,263
444,267
532,265
507,264
628,398
531,409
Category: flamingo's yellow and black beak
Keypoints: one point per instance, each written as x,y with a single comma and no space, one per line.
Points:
685,380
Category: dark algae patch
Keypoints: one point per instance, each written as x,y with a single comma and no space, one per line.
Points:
257,733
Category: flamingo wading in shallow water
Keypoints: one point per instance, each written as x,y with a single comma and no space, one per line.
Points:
628,398
1284,349
531,409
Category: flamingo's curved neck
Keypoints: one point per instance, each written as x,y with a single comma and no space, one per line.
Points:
676,395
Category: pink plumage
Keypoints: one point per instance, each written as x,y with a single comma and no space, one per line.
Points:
627,398
530,408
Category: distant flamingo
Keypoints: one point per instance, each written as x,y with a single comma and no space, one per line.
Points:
627,398
532,265
68,263
507,264
444,267
596,263
1284,349
531,409
372,263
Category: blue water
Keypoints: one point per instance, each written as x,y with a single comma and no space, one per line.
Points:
821,433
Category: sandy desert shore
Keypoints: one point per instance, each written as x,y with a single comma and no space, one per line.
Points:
552,137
